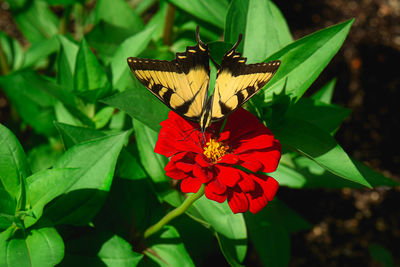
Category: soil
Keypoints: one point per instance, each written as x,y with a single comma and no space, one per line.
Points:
345,222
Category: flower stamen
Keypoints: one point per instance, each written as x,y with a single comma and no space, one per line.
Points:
215,150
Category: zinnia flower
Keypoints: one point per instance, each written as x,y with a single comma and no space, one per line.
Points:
227,162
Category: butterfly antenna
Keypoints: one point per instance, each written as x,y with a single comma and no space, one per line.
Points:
236,44
198,37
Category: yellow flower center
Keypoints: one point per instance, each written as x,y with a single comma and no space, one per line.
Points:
215,150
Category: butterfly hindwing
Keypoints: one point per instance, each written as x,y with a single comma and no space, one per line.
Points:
182,83
237,82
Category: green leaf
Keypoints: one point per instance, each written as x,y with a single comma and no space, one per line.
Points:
44,156
211,12
12,51
103,117
118,13
230,228
72,135
96,160
99,248
35,98
131,47
305,173
167,249
13,164
318,145
41,50
37,248
117,252
66,62
106,38
328,117
326,92
45,186
146,108
90,78
262,24
36,21
381,255
304,59
154,163
128,167
7,209
33,105
271,241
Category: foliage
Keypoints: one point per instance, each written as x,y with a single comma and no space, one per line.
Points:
90,184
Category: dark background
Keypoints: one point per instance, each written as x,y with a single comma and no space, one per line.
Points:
367,69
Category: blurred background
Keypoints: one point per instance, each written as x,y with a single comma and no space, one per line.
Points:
346,221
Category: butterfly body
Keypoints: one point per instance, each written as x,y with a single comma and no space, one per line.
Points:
182,84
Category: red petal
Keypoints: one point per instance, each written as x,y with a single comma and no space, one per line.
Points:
216,187
246,184
201,161
265,191
254,142
231,159
190,185
238,201
186,167
210,194
202,174
227,175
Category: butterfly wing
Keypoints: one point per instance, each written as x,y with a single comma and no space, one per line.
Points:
182,83
237,82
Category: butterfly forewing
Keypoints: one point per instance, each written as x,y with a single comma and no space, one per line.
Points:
181,84
237,82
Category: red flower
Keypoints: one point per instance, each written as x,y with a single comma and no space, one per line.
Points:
244,142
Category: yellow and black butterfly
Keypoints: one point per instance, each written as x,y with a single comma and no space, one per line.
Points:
182,84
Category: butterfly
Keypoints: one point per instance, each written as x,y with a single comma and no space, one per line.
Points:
182,84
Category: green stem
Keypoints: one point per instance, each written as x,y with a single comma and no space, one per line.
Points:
175,213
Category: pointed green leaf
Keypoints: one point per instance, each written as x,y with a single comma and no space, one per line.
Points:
96,160
37,248
44,156
118,252
45,186
304,59
90,78
167,249
326,92
146,108
12,51
211,12
36,21
66,62
41,50
33,104
131,47
262,24
72,135
13,164
328,117
305,173
118,13
318,145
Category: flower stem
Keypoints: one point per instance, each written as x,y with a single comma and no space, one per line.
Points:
174,213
